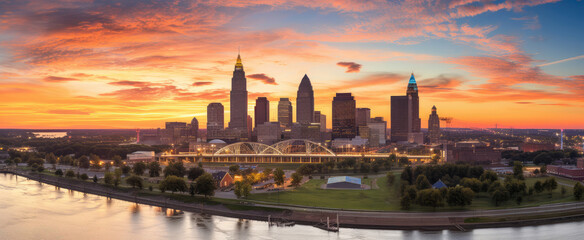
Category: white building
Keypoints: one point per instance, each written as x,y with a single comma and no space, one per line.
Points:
140,156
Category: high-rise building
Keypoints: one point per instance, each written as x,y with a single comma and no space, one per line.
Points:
434,127
238,98
344,116
377,131
320,118
362,117
399,118
261,111
405,115
285,113
305,102
249,129
194,133
215,120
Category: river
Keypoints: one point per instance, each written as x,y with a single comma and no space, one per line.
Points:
31,210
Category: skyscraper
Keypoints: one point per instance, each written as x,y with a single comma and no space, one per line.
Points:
305,102
261,111
405,115
344,116
414,121
215,120
238,98
434,127
362,117
399,118
194,133
285,113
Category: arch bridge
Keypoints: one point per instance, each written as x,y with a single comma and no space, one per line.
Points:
287,151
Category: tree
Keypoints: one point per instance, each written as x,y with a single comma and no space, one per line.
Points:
422,182
154,169
233,169
375,167
125,169
407,174
405,202
59,172
94,161
515,187
296,179
117,160
40,168
518,170
66,160
267,172
543,158
472,183
365,167
117,177
51,158
84,162
459,196
135,181
390,178
175,169
488,175
242,189
139,168
108,178
430,197
95,178
107,166
538,187
173,184
578,190
84,177
499,194
279,176
195,172
543,170
205,184
70,173
550,184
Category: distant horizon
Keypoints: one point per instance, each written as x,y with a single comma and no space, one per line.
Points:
138,64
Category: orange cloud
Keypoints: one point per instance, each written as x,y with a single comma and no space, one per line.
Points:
59,79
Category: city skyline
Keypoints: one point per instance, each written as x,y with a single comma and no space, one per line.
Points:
100,65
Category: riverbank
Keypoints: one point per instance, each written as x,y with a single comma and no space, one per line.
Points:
546,214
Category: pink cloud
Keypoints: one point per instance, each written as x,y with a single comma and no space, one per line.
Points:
351,66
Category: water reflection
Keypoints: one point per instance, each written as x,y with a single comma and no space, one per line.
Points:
29,210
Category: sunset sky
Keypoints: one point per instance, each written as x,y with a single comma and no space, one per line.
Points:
140,63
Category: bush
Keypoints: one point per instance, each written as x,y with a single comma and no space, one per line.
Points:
59,172
135,181
578,190
84,177
70,174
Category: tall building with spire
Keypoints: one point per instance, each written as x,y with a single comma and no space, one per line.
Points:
285,113
434,127
405,115
305,102
238,98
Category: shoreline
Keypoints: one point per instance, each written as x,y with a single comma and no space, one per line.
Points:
348,219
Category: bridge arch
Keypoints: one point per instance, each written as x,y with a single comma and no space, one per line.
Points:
247,148
301,146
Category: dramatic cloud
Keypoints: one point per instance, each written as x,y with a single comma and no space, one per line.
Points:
351,66
198,84
59,79
263,78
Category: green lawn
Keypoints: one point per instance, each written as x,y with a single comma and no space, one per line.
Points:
310,194
386,198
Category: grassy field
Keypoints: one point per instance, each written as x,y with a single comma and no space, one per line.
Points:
386,197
